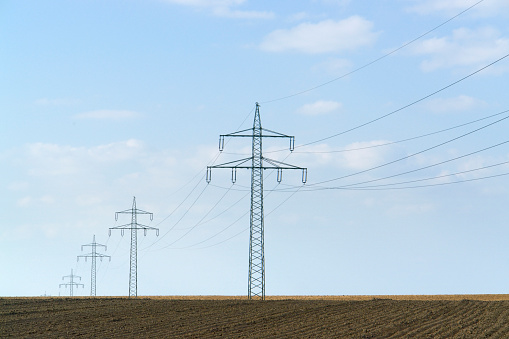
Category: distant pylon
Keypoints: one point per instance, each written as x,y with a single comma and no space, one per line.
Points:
71,282
134,227
93,255
256,280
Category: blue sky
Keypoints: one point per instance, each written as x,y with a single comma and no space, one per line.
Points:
105,100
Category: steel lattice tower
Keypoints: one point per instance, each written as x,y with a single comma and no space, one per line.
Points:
134,227
256,278
93,255
71,283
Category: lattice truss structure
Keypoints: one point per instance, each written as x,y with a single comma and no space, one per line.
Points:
71,282
257,163
93,255
134,227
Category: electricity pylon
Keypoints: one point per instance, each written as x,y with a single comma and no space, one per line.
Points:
93,255
256,280
71,282
134,227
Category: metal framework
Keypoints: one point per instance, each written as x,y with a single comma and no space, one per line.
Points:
134,227
256,278
94,255
71,283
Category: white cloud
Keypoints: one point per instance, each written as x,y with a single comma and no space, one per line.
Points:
455,104
223,8
56,160
106,114
337,2
207,3
298,16
465,48
323,37
237,14
362,159
337,66
320,107
479,161
47,199
24,201
452,7
354,156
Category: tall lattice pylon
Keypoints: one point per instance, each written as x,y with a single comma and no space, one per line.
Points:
134,227
256,278
94,255
71,283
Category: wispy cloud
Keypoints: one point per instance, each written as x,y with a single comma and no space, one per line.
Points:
354,156
336,66
456,104
106,114
451,7
322,37
362,159
224,8
320,107
207,3
464,48
44,159
238,14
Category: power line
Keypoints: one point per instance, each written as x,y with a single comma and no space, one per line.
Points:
176,208
411,155
398,141
376,60
198,223
216,234
235,222
406,106
224,211
411,171
211,162
411,181
421,186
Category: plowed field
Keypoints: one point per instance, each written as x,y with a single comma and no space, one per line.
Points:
327,317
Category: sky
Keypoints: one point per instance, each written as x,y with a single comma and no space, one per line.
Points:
399,110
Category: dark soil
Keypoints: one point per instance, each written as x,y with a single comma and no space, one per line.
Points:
163,318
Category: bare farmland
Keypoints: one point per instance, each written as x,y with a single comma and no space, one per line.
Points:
471,316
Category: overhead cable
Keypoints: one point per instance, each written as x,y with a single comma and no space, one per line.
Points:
406,106
376,60
410,155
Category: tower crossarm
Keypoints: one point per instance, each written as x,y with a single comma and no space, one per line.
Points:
136,226
241,164
280,166
72,284
256,133
131,211
233,164
92,255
